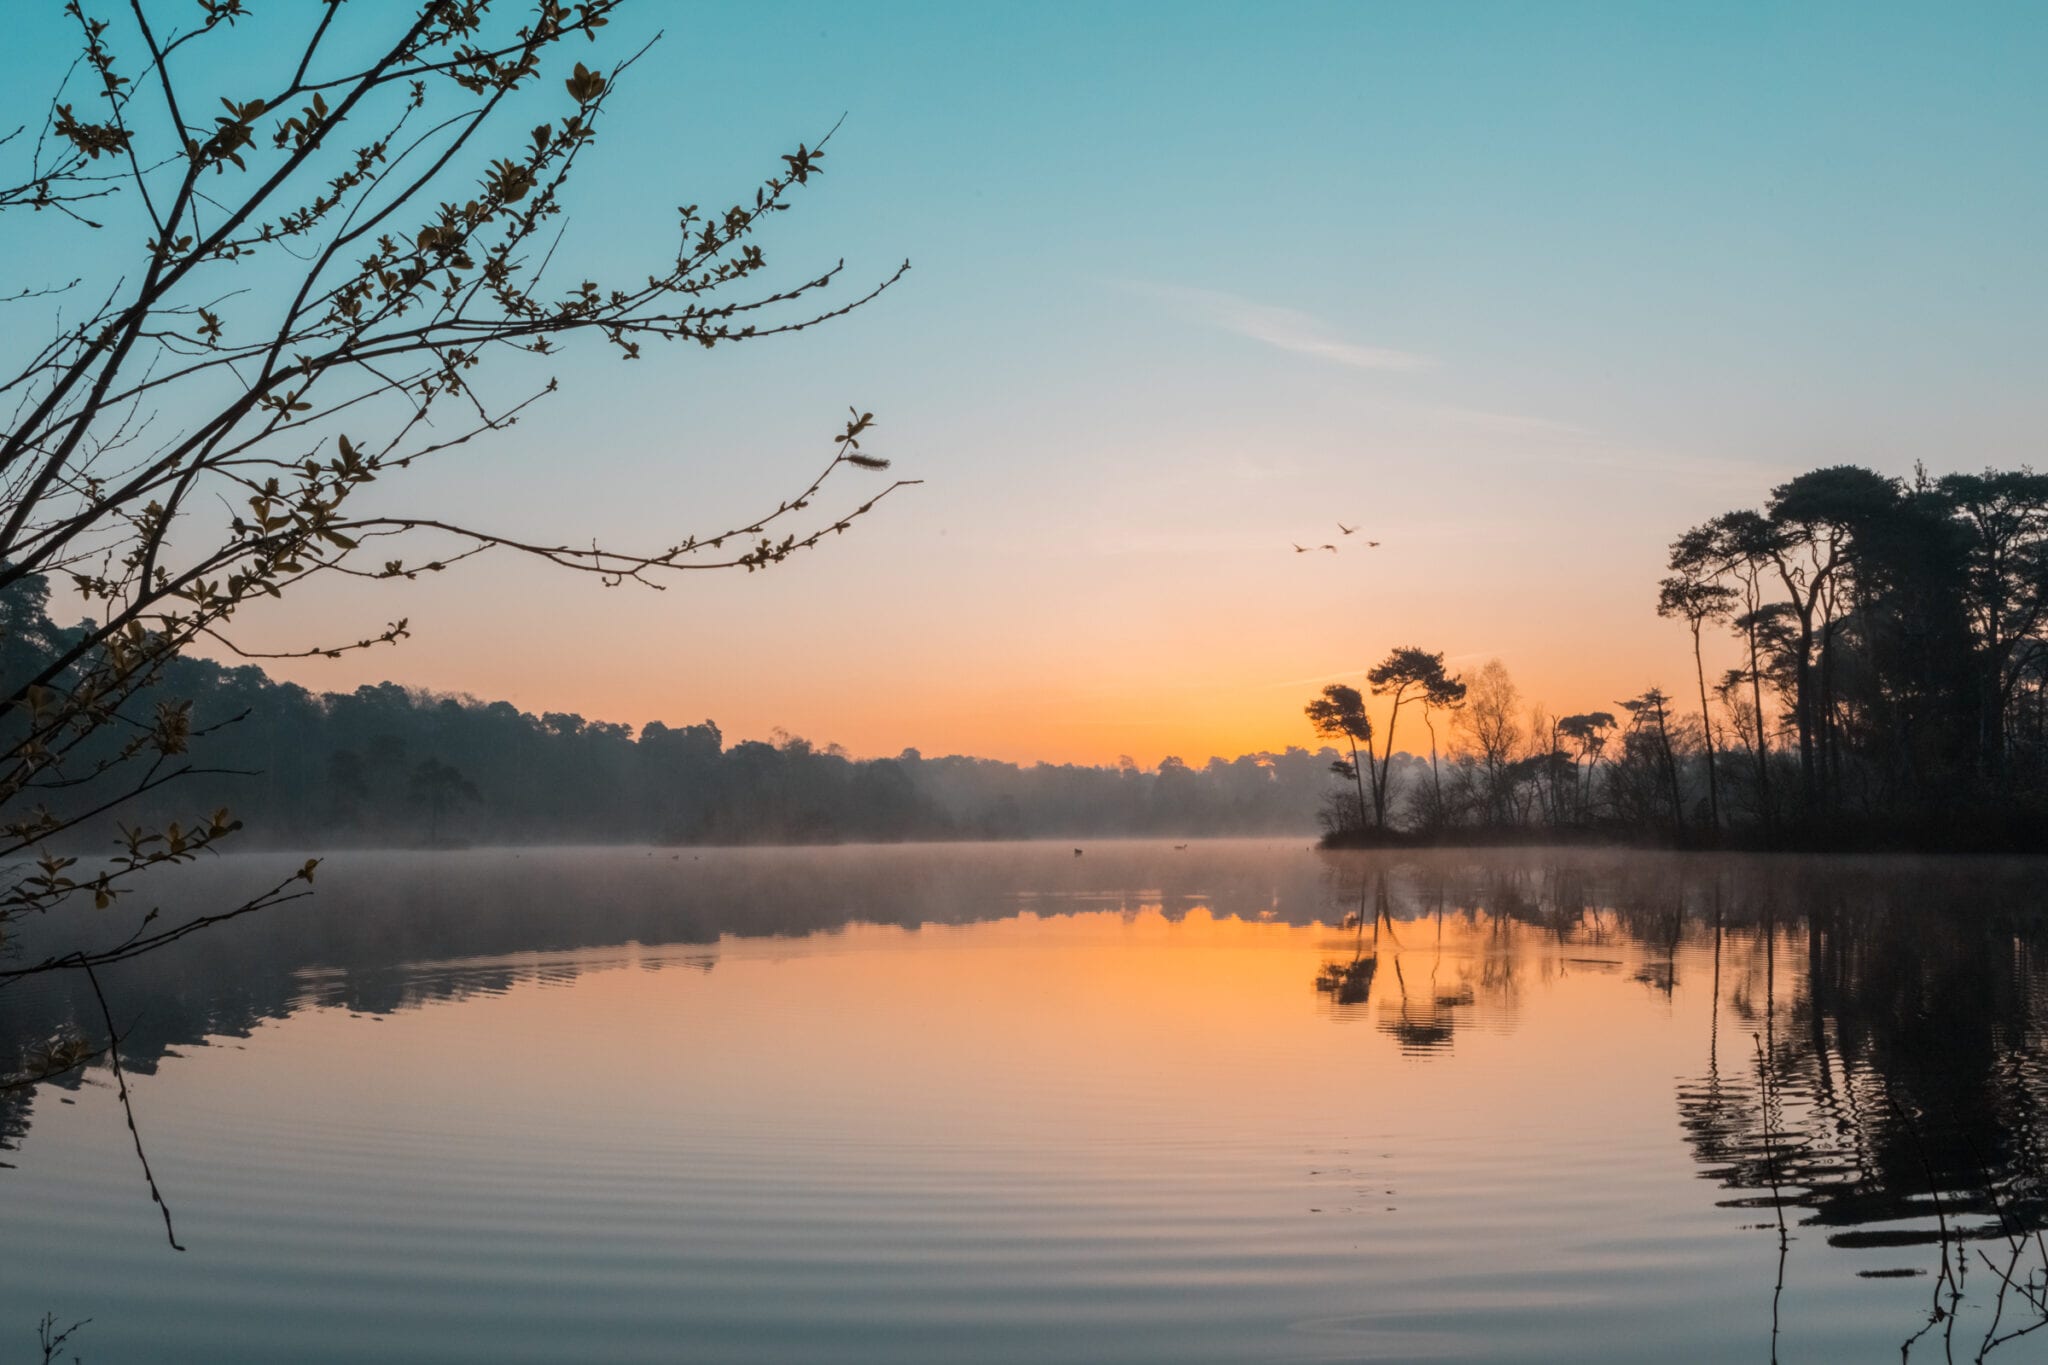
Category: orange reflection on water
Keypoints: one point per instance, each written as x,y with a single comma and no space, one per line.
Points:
1092,1094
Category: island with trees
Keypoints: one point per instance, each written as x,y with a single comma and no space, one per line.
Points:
1892,692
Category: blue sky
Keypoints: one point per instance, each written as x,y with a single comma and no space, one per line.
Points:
1524,289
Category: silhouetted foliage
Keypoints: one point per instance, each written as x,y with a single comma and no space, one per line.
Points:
358,267
1340,714
1892,689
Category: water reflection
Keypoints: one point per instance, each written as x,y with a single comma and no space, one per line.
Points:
1900,1027
1885,1082
392,931
1868,1066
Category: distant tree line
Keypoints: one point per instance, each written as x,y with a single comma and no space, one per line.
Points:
1891,690
392,766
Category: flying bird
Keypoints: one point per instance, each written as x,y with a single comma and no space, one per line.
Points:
1372,545
1347,530
1331,548
1299,549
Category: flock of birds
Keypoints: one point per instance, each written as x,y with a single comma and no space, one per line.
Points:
1347,530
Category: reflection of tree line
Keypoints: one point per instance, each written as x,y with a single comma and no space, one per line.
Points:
1874,1061
1899,1102
358,944
1902,1043
1900,1005
1900,1008
1448,936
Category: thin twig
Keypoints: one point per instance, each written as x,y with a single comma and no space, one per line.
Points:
127,1106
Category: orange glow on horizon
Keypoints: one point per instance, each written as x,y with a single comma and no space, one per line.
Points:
1095,721
1028,660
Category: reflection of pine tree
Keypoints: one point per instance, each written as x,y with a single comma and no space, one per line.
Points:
1350,983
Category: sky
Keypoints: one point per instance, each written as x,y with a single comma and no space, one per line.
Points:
1520,291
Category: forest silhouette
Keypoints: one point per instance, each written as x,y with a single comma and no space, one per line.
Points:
391,766
1892,691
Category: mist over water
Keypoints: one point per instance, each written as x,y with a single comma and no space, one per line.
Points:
1233,1101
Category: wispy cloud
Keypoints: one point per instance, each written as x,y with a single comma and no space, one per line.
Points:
1512,434
1285,329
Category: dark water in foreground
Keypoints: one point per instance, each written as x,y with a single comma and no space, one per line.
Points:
999,1103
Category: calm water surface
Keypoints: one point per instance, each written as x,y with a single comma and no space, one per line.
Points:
1238,1102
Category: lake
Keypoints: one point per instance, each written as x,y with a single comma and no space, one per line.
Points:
1237,1101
